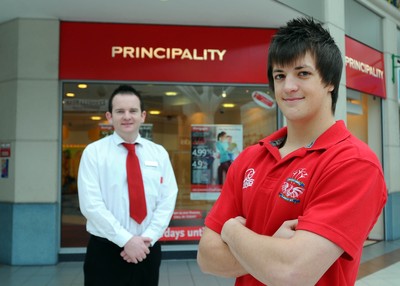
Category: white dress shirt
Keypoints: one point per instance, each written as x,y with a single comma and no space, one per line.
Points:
103,189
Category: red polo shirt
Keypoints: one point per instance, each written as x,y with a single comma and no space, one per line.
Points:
335,187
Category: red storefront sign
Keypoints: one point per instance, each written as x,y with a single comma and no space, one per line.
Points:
364,68
103,51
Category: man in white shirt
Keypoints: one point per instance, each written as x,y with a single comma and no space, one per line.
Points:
122,251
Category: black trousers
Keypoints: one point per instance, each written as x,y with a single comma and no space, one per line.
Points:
223,168
105,267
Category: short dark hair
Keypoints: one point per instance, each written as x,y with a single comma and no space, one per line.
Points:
302,35
220,134
125,89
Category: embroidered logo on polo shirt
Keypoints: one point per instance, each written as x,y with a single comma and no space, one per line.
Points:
248,178
293,187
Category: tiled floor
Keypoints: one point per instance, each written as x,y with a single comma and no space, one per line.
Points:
380,266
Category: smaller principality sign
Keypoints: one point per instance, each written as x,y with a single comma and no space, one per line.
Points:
364,68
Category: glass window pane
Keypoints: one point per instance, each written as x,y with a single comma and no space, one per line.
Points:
173,110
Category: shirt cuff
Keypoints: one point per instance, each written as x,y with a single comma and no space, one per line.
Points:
122,238
154,237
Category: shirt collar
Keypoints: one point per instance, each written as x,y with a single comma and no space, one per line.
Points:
118,139
334,134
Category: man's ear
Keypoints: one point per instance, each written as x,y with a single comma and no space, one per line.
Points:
144,114
109,117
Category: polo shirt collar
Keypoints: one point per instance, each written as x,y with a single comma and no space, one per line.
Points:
334,134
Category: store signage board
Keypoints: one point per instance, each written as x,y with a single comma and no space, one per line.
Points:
364,68
104,51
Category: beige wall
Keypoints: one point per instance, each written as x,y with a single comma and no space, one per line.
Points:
29,109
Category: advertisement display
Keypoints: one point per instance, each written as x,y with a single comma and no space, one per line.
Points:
214,147
191,231
5,153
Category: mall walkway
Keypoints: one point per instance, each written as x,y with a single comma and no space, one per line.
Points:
380,266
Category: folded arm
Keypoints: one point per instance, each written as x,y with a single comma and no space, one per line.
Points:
215,257
299,260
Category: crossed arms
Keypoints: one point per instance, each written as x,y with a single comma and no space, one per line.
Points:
288,257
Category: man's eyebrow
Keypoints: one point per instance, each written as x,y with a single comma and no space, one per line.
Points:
303,66
277,70
299,67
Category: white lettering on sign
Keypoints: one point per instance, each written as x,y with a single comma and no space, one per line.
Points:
175,234
363,67
183,233
167,53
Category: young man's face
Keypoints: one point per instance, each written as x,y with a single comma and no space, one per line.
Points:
126,116
300,93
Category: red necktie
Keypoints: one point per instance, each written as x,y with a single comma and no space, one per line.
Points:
137,199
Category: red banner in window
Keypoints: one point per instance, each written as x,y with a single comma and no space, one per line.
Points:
182,233
103,51
364,68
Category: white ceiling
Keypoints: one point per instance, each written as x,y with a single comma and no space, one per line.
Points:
235,13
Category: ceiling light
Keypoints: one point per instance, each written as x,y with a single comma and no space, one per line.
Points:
95,118
223,93
154,112
228,105
82,85
171,93
70,94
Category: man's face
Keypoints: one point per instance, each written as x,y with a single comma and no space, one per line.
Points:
126,116
300,93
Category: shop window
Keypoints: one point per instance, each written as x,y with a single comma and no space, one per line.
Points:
186,120
357,114
364,120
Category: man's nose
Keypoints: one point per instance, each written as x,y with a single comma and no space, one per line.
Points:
290,84
126,114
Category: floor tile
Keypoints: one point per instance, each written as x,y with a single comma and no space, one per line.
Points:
380,266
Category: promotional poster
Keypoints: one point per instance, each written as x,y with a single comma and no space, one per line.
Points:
214,148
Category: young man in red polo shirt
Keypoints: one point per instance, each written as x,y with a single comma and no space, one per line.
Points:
296,208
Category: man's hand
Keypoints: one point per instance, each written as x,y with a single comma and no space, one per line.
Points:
229,224
287,229
136,249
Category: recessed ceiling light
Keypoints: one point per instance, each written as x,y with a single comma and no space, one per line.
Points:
70,94
95,118
82,85
154,112
228,105
171,93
